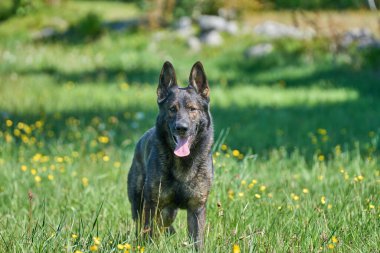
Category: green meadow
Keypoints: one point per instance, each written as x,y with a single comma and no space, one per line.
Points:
297,139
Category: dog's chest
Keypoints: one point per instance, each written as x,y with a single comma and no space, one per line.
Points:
185,195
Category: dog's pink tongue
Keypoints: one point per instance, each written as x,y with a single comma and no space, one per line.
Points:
182,148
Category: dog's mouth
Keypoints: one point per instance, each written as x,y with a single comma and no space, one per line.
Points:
182,145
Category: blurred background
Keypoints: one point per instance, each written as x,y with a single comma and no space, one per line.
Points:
298,75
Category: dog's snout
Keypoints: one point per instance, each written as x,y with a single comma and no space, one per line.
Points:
182,127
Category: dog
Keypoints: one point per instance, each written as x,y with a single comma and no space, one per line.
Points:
172,166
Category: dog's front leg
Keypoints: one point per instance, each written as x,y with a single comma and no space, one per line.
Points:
196,219
149,216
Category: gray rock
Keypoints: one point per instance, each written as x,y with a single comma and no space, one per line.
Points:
183,27
259,50
209,22
183,22
277,30
45,33
232,27
212,38
362,37
194,43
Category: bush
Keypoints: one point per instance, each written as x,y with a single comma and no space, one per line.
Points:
6,9
89,27
9,8
370,57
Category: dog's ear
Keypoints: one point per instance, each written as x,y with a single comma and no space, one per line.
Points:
167,80
198,80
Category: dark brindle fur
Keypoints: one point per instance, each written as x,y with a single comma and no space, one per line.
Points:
172,165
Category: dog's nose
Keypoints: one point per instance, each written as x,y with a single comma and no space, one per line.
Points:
182,127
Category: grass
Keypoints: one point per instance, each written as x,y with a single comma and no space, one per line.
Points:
298,170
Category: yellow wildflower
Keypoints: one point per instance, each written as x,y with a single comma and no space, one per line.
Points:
329,206
257,196
120,246
9,123
127,246
85,181
323,200
17,132
231,194
295,197
24,168
263,188
96,240
74,236
322,131
305,191
59,159
39,124
103,139
50,177
93,248
321,158
37,179
331,246
224,147
241,194
334,239
106,158
236,249
235,153
243,182
33,171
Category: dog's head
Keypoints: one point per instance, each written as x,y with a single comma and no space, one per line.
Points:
184,112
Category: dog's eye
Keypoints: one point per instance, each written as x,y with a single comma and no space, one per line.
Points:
193,109
172,109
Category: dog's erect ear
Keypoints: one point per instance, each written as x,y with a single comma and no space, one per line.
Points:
198,80
167,80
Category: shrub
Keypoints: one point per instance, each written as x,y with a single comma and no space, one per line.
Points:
89,27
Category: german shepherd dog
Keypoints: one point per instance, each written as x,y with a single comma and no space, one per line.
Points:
172,164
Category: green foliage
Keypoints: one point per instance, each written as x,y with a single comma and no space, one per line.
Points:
89,26
6,9
9,8
370,57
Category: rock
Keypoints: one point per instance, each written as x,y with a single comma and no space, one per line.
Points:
45,33
362,37
277,30
212,38
209,22
259,50
232,27
194,44
183,23
183,27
